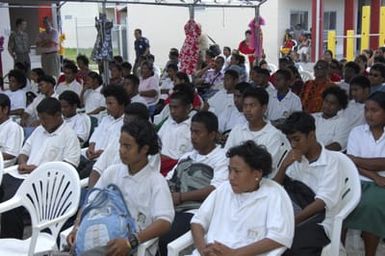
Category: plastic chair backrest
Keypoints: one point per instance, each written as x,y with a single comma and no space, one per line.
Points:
51,194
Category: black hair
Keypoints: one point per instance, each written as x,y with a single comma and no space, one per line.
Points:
39,72
330,52
248,32
173,67
71,66
183,93
118,59
50,106
93,75
299,122
361,81
182,76
138,30
286,60
19,76
21,66
209,119
261,71
295,72
363,58
19,21
255,156
83,58
137,109
233,73
149,65
242,86
286,73
151,58
116,65
379,60
5,102
382,49
354,66
118,92
227,48
174,52
47,79
144,134
379,98
220,58
323,62
257,93
134,79
369,51
70,97
126,65
380,68
340,94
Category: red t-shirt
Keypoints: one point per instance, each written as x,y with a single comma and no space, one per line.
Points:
245,49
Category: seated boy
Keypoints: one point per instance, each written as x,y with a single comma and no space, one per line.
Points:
319,169
11,133
255,102
377,78
70,83
175,132
260,78
16,94
131,85
91,97
204,128
53,140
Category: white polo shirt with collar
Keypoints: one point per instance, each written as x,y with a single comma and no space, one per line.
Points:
220,101
354,114
60,145
229,118
107,130
79,124
176,138
324,177
10,136
269,136
93,99
277,109
18,99
334,129
361,143
237,220
74,86
216,159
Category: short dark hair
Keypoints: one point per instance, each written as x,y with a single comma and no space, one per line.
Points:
248,32
257,93
83,58
127,65
138,30
361,81
379,98
39,72
50,106
144,134
184,96
21,66
242,86
137,109
118,92
233,73
47,79
340,94
71,66
116,65
209,119
173,67
19,76
134,79
363,58
94,75
182,76
299,122
5,102
19,21
118,59
379,60
354,66
255,156
70,97
227,48
261,71
380,68
287,74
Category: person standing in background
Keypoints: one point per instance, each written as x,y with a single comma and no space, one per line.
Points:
142,48
18,44
48,42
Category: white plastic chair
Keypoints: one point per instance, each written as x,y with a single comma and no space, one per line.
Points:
51,194
350,198
306,75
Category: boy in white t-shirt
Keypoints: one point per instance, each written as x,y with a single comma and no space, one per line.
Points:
53,140
70,83
17,81
91,97
11,134
131,84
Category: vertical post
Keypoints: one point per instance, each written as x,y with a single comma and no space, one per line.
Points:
332,41
317,29
256,52
77,36
191,12
105,62
365,28
350,45
349,17
382,26
374,23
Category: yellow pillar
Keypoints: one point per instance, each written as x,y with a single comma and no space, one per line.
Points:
382,26
332,41
365,31
350,45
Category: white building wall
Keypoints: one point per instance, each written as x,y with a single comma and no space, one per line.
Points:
5,29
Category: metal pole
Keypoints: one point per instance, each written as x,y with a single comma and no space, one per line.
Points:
77,36
105,62
191,12
318,31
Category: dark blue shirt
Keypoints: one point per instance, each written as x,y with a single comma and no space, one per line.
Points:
141,45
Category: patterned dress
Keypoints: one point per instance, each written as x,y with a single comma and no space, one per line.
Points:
189,54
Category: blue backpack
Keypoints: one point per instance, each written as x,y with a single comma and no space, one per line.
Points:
105,217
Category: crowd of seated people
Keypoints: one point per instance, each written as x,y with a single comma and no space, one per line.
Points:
257,134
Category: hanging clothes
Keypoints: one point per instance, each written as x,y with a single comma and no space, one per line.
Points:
189,54
103,45
257,36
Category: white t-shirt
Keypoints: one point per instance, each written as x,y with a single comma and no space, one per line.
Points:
93,99
151,83
139,99
361,143
11,137
176,138
354,114
81,124
237,220
219,101
335,129
107,130
146,193
326,180
229,118
60,145
18,99
278,109
74,86
216,159
269,136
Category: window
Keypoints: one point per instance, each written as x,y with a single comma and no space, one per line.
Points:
299,17
330,20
